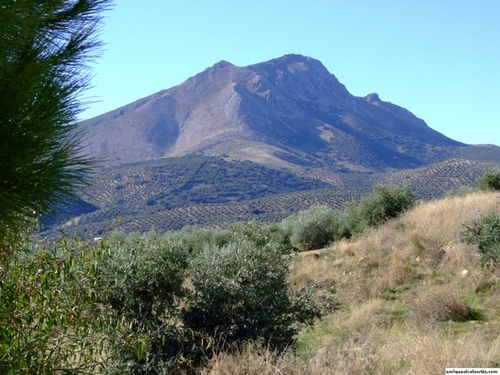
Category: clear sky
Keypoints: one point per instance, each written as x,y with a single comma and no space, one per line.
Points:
440,59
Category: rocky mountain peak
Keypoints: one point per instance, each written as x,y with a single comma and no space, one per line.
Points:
302,77
287,112
372,98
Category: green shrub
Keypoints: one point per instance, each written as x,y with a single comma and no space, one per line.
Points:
51,320
314,228
320,225
241,293
260,235
193,238
143,274
374,209
485,233
385,203
352,222
141,277
237,292
490,181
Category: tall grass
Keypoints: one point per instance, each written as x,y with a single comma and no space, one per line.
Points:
413,299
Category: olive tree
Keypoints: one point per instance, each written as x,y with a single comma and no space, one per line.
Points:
490,180
241,292
51,319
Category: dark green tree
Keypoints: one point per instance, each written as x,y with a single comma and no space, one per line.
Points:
314,228
385,203
142,278
241,292
45,48
51,320
490,180
485,233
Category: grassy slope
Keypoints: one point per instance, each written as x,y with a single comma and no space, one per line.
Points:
413,300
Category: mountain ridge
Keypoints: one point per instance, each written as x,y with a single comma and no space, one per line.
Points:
289,112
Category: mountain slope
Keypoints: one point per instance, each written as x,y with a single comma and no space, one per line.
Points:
170,193
288,112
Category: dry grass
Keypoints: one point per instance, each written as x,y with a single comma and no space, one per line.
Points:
441,220
402,252
410,295
251,362
441,304
378,352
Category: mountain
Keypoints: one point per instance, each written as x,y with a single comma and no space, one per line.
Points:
258,143
288,112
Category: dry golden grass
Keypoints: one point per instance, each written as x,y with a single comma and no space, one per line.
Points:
410,294
250,362
379,352
401,252
440,304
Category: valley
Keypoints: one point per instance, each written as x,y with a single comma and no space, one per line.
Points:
169,194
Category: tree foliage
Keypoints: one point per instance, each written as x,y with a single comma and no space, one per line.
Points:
141,278
385,203
485,233
235,292
45,48
142,275
320,225
490,180
314,228
241,293
51,320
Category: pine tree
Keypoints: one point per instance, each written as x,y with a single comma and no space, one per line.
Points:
45,48
51,320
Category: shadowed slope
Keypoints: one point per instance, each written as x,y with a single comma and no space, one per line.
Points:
287,112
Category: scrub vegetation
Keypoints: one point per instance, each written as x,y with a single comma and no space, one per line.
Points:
386,286
405,285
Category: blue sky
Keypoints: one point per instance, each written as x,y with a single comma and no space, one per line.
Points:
440,59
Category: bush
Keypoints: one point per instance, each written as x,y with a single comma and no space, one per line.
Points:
237,292
374,209
320,225
241,293
385,203
441,304
51,320
194,239
485,233
490,181
143,274
314,228
260,235
141,278
352,222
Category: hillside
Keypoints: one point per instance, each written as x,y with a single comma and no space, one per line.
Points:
171,193
411,297
289,112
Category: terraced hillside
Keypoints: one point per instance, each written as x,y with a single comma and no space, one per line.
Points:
171,193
